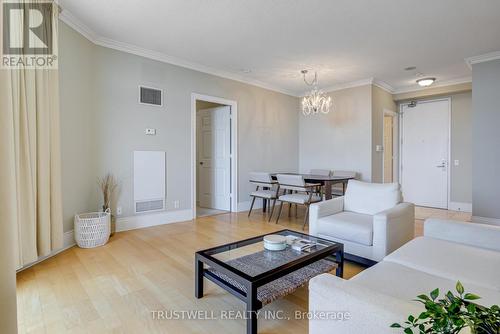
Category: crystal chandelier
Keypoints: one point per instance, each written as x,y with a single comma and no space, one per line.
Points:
315,101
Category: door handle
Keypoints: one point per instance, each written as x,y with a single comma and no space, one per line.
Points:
441,166
201,162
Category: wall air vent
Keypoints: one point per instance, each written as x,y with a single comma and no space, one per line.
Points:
146,206
150,96
149,181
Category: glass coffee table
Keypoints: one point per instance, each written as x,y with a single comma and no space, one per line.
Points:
258,276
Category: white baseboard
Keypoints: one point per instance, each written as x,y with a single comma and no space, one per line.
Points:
69,239
245,206
125,224
68,242
459,206
486,220
152,219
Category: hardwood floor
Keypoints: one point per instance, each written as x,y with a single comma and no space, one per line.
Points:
115,288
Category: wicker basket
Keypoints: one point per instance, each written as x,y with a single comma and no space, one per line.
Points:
92,229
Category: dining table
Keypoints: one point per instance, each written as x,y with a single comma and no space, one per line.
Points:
324,180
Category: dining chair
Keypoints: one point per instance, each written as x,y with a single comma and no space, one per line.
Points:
321,172
338,189
296,191
266,188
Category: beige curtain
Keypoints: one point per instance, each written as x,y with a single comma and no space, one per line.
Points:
30,158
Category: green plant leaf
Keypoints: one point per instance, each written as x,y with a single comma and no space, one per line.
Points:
471,296
450,296
423,297
434,294
451,314
423,315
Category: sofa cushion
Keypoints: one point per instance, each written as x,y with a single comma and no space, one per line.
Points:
369,310
393,279
450,260
468,233
371,198
350,226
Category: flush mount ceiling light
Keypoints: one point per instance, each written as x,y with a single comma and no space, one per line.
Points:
426,82
315,101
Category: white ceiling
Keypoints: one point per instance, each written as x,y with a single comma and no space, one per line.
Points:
344,40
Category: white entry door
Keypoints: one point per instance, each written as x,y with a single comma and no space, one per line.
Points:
424,153
214,158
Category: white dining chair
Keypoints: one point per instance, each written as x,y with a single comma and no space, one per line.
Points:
296,191
266,188
338,189
320,172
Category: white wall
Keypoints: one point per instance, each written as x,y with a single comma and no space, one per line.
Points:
78,125
381,101
342,138
267,123
461,148
486,138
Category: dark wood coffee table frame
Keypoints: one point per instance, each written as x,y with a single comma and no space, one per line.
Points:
335,252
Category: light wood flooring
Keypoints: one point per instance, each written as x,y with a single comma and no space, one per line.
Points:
114,288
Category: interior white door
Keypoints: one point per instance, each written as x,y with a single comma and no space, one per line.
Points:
425,152
214,158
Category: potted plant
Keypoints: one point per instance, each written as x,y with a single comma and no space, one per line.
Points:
452,314
108,186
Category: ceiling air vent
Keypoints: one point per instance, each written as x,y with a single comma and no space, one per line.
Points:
150,96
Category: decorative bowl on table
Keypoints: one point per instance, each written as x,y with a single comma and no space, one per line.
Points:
275,242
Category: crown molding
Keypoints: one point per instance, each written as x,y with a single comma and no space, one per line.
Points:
77,25
383,85
345,85
72,21
358,83
410,89
159,56
482,58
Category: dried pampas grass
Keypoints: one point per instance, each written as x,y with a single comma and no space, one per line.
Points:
108,186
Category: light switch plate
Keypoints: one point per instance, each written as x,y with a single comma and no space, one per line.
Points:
150,131
456,162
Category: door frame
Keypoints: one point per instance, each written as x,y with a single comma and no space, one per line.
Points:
393,114
234,148
401,142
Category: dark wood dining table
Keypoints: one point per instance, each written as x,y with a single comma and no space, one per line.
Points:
326,181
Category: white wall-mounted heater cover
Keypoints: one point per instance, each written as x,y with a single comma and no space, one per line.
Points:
149,181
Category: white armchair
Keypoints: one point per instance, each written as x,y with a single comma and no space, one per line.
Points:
370,220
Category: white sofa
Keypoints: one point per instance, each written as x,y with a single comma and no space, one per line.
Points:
381,295
370,220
